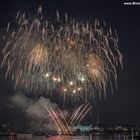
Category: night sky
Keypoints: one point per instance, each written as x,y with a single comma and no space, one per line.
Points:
123,105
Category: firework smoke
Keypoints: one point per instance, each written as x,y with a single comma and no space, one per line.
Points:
40,120
45,115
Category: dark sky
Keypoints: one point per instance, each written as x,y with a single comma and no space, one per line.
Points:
123,105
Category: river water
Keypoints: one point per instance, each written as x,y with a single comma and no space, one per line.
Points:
29,137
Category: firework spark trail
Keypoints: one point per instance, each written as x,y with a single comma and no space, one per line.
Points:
47,109
59,124
65,131
75,114
60,120
67,125
72,57
63,126
52,118
80,115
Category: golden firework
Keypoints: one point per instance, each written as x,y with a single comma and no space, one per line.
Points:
71,58
38,54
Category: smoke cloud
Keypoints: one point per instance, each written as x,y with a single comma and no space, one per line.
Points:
40,119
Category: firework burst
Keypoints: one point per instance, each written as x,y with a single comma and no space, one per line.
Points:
64,124
72,57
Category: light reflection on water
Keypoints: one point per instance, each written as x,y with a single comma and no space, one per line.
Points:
111,137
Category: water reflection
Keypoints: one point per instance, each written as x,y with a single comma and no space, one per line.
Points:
70,138
27,137
112,137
